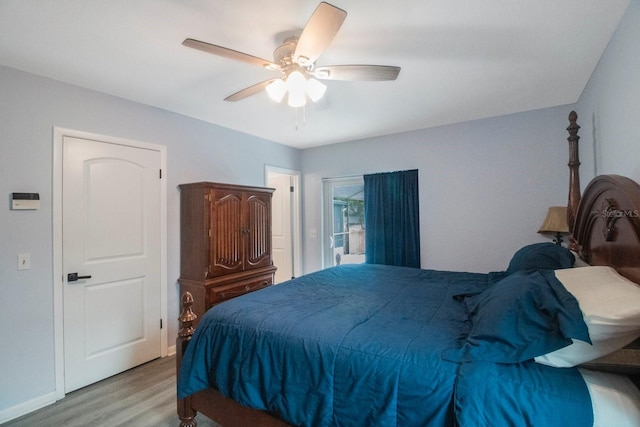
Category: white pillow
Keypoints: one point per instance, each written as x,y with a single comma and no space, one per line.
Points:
614,398
610,306
579,262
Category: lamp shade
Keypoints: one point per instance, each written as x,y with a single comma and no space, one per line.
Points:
555,222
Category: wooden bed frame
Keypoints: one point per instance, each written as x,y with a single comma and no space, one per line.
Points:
605,226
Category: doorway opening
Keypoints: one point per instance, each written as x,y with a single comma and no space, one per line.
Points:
285,218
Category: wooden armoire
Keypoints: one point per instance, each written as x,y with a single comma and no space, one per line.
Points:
225,242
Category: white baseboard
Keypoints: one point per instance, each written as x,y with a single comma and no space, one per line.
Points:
171,351
24,408
27,407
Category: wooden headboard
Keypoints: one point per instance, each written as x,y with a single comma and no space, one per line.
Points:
607,227
605,230
605,220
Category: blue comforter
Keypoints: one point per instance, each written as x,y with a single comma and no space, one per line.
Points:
363,346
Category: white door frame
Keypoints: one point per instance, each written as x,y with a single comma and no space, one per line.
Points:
58,280
296,237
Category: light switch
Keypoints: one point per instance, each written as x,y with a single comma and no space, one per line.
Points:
24,261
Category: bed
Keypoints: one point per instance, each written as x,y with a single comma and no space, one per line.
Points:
376,345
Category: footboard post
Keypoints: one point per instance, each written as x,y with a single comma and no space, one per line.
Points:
186,413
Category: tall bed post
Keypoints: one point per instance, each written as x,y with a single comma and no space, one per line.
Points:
186,413
574,174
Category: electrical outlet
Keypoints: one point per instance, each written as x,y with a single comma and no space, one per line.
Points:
24,261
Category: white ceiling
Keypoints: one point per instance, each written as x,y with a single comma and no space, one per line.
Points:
461,60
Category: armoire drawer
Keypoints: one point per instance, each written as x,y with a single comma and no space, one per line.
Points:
224,292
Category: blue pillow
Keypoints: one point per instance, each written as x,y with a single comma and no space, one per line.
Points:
541,256
526,314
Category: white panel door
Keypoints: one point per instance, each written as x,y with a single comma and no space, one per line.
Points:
111,240
281,226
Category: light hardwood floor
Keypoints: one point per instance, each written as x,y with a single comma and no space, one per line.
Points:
141,397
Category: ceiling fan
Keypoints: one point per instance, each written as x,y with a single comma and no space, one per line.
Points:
296,59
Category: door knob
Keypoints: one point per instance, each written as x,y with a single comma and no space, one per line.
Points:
73,277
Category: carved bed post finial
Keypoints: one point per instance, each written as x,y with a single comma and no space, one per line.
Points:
186,413
574,175
187,316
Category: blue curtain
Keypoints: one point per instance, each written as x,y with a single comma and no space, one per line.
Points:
392,218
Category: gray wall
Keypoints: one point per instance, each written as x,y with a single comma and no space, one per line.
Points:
485,185
31,106
609,107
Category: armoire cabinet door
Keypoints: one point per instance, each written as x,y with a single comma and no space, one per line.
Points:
258,230
226,232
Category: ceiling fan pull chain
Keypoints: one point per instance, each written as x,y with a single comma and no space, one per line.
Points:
304,116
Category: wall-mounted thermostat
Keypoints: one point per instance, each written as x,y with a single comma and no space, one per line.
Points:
25,201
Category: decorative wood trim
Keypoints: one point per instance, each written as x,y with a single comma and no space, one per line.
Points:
607,228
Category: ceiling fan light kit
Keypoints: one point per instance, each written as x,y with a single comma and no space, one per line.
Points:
277,89
295,60
296,85
315,89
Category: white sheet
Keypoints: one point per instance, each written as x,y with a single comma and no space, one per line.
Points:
615,399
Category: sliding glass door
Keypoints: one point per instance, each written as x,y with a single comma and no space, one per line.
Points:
343,221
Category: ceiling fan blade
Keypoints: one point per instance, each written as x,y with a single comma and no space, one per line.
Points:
230,53
320,30
249,91
357,72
